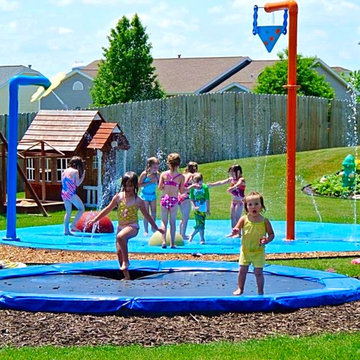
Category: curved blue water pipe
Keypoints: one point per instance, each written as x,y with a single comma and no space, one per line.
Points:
14,84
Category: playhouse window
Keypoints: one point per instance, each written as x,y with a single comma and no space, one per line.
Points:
30,169
47,170
78,86
95,164
62,164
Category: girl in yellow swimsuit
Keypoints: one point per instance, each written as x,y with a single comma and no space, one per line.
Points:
256,233
128,203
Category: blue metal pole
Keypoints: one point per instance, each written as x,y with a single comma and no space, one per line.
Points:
12,147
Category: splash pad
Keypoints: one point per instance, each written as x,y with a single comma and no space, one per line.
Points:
168,288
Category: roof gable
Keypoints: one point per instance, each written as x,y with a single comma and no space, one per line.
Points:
8,71
62,130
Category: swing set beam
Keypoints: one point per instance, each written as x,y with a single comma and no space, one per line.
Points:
291,111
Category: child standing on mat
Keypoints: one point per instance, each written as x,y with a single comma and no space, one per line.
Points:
71,178
148,182
128,204
199,196
184,201
253,227
171,183
236,189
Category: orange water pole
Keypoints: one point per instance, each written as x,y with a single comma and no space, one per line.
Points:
291,112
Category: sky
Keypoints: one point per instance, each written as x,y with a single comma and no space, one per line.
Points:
53,35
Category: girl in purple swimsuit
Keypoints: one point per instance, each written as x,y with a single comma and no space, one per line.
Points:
236,189
71,178
171,183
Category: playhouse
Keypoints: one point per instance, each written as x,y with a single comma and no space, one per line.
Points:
54,136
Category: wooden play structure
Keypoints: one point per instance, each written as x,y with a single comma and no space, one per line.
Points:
53,137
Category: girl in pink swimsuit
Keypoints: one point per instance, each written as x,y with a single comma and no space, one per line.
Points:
171,183
236,189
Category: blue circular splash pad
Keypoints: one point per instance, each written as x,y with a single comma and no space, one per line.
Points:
168,288
310,237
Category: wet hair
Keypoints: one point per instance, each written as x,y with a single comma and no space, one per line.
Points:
76,162
197,177
131,177
150,162
254,194
173,160
236,169
191,167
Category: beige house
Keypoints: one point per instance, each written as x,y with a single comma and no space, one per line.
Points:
25,92
185,76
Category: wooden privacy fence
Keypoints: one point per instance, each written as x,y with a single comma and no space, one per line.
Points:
212,127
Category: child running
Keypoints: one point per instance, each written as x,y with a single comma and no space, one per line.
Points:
71,178
236,189
199,196
184,201
171,183
128,204
148,182
254,228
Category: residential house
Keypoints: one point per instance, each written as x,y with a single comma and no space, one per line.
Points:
54,136
181,76
25,92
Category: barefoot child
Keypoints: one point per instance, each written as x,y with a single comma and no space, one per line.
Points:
254,228
199,196
148,182
171,183
128,204
184,201
71,178
236,189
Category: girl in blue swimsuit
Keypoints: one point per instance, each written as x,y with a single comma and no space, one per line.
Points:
148,182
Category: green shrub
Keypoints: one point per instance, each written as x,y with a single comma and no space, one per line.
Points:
331,185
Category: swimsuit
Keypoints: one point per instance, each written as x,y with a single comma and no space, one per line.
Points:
167,201
199,197
148,192
68,189
251,250
238,192
127,215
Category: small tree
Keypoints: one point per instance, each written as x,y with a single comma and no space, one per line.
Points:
126,72
273,78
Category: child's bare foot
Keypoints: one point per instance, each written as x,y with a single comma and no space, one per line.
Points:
124,266
146,233
68,233
229,235
126,274
185,237
261,293
190,238
202,242
238,292
163,245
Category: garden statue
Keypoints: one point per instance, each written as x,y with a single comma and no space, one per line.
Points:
348,174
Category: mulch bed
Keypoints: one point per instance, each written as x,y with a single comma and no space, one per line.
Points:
19,328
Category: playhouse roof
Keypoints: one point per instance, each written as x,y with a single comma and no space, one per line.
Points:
104,133
60,130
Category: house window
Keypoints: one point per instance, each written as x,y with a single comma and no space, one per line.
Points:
61,165
78,86
47,170
30,169
95,164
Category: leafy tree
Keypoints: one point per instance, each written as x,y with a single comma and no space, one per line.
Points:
273,78
353,78
126,74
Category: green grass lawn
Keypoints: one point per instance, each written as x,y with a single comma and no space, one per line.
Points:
321,347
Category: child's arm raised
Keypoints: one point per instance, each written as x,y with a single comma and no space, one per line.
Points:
218,183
